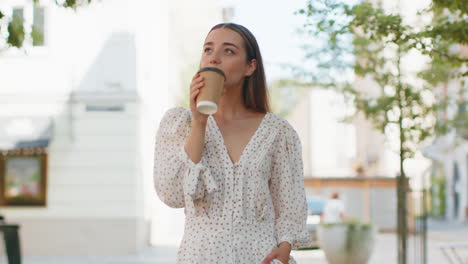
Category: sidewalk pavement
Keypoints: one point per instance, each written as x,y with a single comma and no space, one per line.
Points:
384,252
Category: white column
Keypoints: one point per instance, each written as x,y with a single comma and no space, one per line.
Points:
462,160
449,206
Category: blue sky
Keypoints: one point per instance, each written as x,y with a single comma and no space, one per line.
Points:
274,25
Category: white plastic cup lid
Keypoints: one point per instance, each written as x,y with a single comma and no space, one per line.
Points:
207,107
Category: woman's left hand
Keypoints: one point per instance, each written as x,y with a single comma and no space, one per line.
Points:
280,253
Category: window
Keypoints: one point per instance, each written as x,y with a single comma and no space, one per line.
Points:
16,34
19,13
105,108
37,33
29,26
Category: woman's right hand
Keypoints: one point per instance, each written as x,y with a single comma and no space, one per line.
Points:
198,82
195,142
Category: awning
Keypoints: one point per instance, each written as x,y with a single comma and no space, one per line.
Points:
25,132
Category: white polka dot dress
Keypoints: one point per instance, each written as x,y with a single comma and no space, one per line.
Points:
235,212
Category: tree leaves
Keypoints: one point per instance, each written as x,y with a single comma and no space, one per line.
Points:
37,36
16,32
380,42
74,4
452,5
391,100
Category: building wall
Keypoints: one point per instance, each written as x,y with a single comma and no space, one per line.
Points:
188,24
299,119
328,145
100,189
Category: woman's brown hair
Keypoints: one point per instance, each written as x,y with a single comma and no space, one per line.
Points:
254,90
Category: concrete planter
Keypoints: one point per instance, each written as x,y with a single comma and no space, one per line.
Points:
346,243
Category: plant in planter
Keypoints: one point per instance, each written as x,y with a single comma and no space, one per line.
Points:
348,242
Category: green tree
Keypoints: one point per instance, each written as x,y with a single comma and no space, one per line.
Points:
374,44
15,28
445,37
285,94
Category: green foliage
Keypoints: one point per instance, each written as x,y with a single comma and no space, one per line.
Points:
401,101
326,21
353,223
284,95
439,71
73,3
448,29
16,32
374,32
37,36
437,188
356,232
452,5
456,31
380,41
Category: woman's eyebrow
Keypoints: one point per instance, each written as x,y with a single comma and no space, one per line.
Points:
230,44
224,44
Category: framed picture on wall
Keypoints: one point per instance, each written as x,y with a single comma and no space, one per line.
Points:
24,180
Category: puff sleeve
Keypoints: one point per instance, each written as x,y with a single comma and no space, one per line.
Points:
175,174
287,190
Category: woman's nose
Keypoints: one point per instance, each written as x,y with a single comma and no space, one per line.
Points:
214,59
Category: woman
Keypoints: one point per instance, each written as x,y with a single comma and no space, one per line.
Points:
239,172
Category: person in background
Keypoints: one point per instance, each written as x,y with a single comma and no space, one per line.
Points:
334,209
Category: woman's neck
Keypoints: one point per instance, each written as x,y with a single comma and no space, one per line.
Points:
231,105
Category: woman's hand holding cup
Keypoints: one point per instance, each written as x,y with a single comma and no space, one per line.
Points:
198,82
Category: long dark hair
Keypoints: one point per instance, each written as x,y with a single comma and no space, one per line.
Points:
254,89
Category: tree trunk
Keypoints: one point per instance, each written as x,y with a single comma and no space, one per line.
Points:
401,182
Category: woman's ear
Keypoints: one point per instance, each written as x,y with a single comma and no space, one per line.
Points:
251,67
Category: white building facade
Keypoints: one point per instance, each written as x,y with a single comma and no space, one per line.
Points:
104,76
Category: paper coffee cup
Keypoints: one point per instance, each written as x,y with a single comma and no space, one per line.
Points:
208,99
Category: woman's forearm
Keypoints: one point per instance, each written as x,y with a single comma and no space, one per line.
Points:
195,142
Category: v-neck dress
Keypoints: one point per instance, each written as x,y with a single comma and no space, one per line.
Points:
234,212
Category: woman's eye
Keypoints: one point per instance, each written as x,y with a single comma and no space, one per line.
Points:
230,51
207,49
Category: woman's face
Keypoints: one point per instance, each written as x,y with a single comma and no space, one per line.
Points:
224,49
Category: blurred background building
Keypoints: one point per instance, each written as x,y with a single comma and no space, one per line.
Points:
80,107
90,96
